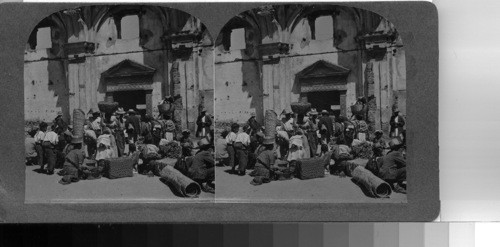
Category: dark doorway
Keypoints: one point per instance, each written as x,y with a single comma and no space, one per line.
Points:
325,100
130,100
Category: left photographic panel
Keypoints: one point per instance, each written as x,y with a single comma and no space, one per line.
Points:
118,106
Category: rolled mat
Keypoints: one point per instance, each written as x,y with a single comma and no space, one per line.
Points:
78,122
184,185
270,123
374,186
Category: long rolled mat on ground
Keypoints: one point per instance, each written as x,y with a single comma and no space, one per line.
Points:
374,186
184,185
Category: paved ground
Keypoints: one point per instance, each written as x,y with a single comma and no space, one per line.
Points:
42,188
328,189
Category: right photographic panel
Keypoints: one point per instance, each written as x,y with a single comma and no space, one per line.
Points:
310,106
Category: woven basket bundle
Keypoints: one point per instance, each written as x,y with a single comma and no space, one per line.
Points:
300,107
270,121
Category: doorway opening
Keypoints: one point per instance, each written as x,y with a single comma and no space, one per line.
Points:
327,100
131,100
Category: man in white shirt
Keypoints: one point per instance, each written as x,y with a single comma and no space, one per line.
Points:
241,146
49,146
230,138
39,136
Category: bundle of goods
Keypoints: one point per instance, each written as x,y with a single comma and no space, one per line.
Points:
156,166
270,122
171,150
312,167
358,109
283,174
92,173
165,107
300,108
373,185
108,106
184,185
362,150
352,164
120,167
147,166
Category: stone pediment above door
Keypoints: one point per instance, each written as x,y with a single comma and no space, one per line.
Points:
128,75
323,76
323,68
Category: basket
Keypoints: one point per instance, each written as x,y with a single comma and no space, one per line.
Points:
300,107
107,107
164,108
270,122
358,109
78,122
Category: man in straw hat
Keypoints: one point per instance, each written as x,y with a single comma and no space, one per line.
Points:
254,124
202,168
133,125
73,161
397,123
204,122
392,166
59,124
263,170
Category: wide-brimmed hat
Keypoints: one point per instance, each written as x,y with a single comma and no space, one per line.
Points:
68,133
131,111
59,113
395,142
379,132
268,140
324,112
186,131
77,139
70,126
313,112
203,142
120,111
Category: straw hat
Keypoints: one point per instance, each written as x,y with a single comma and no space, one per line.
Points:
131,111
268,140
313,112
186,131
59,113
323,112
203,142
395,143
120,111
77,139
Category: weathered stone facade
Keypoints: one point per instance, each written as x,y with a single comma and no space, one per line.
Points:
328,55
128,53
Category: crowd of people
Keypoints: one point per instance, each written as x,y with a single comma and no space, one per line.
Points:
310,135
111,135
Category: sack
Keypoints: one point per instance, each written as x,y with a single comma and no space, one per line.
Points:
373,166
181,165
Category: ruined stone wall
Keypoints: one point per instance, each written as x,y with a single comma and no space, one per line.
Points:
78,84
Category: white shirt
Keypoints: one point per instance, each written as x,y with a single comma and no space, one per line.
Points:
231,137
40,135
244,138
51,137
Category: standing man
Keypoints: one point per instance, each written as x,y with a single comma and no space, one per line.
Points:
59,123
241,146
204,124
49,145
133,125
325,125
39,136
254,125
397,123
230,139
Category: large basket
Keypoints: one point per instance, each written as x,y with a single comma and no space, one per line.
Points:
107,107
300,107
165,108
78,122
358,109
270,123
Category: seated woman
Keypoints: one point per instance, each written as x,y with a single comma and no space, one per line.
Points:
263,170
73,162
202,168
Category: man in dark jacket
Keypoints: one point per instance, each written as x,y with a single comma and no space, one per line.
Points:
133,125
202,168
254,125
204,122
325,122
392,166
59,123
